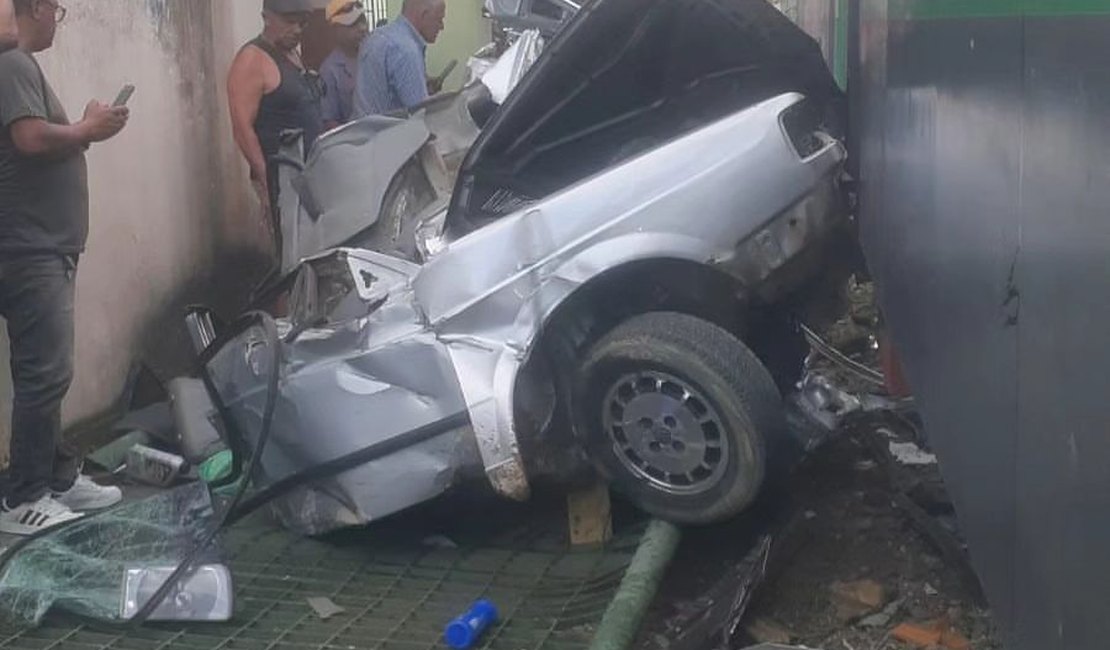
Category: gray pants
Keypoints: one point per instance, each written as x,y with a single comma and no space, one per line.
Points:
36,299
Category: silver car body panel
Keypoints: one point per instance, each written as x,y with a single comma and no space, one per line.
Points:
506,72
323,204
352,382
414,345
488,295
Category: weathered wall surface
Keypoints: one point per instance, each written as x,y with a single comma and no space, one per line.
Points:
984,200
170,205
173,219
817,17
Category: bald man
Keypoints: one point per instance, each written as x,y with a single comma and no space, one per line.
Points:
392,73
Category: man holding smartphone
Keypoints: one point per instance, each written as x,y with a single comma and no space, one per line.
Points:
44,221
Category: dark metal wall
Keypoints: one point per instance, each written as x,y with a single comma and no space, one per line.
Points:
984,144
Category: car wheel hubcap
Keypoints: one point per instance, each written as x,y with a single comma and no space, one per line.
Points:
666,432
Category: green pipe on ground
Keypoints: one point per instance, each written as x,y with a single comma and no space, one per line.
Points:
622,619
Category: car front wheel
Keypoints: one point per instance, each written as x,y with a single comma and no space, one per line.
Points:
676,413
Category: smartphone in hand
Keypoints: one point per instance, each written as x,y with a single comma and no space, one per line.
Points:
124,96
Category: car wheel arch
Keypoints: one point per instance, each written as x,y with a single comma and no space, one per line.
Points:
665,283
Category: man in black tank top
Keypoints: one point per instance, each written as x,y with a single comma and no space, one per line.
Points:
270,91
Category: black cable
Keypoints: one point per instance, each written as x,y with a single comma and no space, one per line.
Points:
238,507
274,342
237,328
350,461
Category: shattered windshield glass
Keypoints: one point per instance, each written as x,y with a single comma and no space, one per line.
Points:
106,566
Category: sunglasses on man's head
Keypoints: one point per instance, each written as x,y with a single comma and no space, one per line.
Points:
301,19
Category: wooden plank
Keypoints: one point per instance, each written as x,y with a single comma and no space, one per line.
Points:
590,516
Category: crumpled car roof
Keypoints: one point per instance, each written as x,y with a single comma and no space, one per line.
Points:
626,75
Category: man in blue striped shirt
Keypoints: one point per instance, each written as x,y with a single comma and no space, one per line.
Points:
392,73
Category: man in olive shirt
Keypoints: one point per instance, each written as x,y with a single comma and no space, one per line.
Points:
44,220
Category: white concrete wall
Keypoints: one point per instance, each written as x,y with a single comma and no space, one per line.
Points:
170,205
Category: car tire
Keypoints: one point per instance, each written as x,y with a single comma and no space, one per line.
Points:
676,413
408,193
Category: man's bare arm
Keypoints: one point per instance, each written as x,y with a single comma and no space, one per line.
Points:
245,87
37,137
9,34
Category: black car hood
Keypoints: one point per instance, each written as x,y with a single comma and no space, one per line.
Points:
625,76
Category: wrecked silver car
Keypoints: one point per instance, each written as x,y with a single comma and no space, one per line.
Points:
602,273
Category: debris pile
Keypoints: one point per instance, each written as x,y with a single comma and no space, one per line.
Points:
867,551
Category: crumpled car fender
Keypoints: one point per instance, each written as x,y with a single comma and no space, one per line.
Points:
627,249
488,367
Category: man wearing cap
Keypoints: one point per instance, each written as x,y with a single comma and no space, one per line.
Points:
270,91
351,26
392,73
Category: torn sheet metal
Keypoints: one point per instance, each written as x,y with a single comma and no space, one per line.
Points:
507,72
357,377
375,170
324,204
515,16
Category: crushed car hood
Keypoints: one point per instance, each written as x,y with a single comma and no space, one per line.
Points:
604,90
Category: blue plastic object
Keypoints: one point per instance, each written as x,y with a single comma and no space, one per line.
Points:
464,631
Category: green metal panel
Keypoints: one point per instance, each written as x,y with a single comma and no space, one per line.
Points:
944,9
840,44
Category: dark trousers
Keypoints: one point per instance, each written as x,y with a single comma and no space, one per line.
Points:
36,299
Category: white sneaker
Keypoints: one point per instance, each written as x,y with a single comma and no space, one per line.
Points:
87,495
30,518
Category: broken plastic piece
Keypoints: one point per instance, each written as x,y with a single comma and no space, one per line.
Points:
206,595
154,467
465,630
925,635
113,456
194,418
324,607
908,453
217,468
